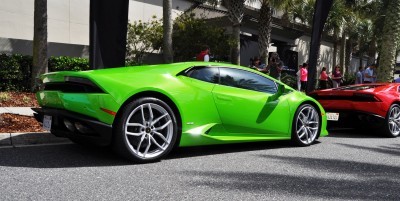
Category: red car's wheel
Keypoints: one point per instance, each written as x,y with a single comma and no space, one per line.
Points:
392,123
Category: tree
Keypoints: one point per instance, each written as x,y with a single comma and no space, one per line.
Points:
167,31
390,36
191,34
143,38
39,42
235,14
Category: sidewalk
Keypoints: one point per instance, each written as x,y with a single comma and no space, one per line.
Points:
23,139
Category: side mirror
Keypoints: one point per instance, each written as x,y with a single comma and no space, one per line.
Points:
281,90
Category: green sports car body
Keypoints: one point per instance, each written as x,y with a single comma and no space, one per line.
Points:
144,111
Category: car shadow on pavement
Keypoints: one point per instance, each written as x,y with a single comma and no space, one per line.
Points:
187,152
59,156
354,133
336,179
393,149
73,155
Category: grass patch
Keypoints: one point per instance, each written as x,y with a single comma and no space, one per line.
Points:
4,96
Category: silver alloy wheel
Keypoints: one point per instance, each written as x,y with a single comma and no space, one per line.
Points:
394,120
307,125
148,130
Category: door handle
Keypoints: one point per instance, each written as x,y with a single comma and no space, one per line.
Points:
224,98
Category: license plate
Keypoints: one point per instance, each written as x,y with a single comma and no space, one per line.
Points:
47,122
330,116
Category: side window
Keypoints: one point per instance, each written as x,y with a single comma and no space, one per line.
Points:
246,80
206,74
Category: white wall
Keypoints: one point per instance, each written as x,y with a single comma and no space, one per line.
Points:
325,52
145,9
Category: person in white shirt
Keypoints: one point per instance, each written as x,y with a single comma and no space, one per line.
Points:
369,76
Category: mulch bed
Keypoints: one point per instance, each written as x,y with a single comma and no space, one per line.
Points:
13,123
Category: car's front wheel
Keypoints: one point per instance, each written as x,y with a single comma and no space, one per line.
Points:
146,131
306,125
392,123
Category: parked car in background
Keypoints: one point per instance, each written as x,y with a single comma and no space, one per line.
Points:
367,106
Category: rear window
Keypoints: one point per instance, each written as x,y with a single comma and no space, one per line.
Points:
356,88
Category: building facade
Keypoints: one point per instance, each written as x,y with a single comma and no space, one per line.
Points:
68,29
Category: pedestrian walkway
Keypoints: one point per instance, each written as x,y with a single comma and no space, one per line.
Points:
26,111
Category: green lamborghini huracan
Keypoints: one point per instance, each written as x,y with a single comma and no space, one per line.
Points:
143,112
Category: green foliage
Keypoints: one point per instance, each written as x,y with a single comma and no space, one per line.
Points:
289,80
68,64
15,70
348,79
4,96
143,38
191,34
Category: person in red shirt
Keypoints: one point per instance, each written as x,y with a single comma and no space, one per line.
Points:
204,54
323,79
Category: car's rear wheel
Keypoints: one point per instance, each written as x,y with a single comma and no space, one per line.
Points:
306,125
392,123
146,131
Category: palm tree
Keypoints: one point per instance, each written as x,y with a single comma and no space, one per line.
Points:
390,35
167,31
39,42
265,21
235,14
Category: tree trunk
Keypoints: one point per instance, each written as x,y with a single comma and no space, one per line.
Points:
372,51
349,55
335,47
39,43
264,31
342,51
235,14
167,28
235,52
390,33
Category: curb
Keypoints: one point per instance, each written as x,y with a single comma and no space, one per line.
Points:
23,139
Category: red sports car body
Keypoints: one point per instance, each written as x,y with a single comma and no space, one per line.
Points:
365,105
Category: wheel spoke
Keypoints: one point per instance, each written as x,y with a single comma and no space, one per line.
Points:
156,143
161,136
150,112
158,119
300,129
134,134
140,143
163,126
147,148
144,120
135,124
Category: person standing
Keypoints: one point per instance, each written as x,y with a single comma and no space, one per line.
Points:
336,77
275,66
204,54
303,77
298,78
323,79
369,76
359,75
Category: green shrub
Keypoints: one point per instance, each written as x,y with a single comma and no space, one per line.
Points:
15,69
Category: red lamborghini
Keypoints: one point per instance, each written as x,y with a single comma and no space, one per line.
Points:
363,106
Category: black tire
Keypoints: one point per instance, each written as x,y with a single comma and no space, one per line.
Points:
390,127
306,125
147,139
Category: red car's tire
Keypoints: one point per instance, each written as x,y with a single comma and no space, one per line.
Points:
391,126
